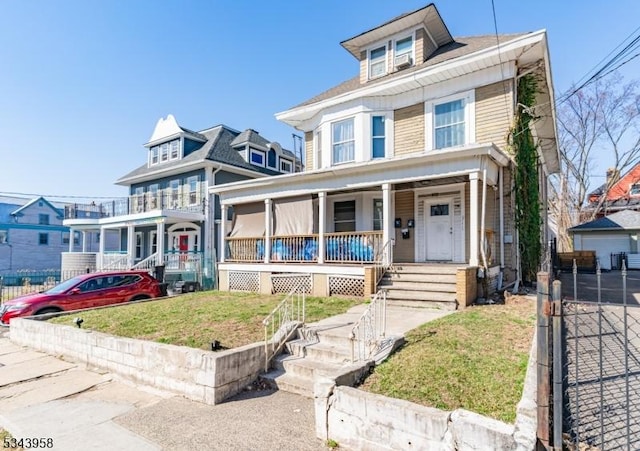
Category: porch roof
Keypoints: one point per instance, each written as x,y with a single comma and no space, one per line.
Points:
405,168
147,217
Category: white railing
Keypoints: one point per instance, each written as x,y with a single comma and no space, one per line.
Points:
282,322
114,261
384,261
186,261
368,332
148,263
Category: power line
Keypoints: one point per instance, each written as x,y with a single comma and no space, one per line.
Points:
56,196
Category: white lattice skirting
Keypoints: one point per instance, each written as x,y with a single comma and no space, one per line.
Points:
244,281
346,286
284,283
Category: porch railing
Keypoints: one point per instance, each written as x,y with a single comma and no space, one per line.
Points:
384,260
368,332
166,199
114,261
343,247
282,322
148,263
186,261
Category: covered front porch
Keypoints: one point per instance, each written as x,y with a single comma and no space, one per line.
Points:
173,240
438,208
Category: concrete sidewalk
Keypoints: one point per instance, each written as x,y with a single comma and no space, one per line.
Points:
80,409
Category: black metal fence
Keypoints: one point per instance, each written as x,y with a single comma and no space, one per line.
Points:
18,283
589,361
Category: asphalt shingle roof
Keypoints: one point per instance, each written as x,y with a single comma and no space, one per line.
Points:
218,147
460,47
622,220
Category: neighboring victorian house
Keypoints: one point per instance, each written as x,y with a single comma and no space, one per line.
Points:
623,193
168,218
32,236
408,171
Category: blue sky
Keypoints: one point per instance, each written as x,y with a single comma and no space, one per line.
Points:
82,83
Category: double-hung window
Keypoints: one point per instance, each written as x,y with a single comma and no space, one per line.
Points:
193,189
449,124
43,219
164,152
154,154
377,137
175,148
377,214
343,141
404,47
174,189
377,62
285,166
153,195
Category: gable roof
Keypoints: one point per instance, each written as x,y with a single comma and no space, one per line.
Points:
459,47
217,148
249,136
19,211
622,220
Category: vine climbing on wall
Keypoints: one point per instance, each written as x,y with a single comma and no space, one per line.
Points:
528,216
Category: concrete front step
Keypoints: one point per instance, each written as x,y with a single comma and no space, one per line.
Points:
419,277
417,286
399,268
280,379
318,351
440,305
417,295
304,368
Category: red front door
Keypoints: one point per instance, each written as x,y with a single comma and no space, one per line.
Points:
183,243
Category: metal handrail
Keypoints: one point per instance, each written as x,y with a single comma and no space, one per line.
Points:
280,324
384,260
370,328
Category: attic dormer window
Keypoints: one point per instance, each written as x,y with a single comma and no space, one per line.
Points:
403,56
378,62
164,152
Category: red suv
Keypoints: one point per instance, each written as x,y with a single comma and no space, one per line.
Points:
85,291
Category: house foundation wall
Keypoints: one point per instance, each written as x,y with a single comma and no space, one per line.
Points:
466,285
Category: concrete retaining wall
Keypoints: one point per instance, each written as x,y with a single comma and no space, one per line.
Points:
204,376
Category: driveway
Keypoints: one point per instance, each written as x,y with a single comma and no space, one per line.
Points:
610,284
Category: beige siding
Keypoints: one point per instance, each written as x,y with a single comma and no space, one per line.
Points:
308,151
403,251
364,67
409,129
424,46
494,113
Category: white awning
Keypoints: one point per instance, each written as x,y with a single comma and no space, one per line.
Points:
248,220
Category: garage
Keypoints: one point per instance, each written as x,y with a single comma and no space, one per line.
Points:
613,234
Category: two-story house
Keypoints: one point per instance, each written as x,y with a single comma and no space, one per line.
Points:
32,236
168,218
616,194
408,171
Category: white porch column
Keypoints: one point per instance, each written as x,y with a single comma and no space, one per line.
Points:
223,233
71,233
101,244
84,240
131,245
160,241
386,221
322,224
267,230
473,219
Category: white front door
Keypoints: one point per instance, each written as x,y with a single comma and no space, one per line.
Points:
438,230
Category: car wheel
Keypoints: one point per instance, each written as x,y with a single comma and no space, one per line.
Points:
44,311
139,297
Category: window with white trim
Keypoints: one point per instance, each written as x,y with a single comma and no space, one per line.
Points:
154,154
174,149
192,182
153,195
377,214
174,189
285,165
164,151
153,242
377,62
377,137
449,124
138,199
404,47
256,157
634,189
138,247
342,141
344,216
4,236
272,158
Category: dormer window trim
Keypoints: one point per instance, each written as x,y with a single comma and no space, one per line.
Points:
381,59
411,52
260,157
163,152
389,44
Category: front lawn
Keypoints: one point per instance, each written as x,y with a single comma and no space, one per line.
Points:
475,359
196,319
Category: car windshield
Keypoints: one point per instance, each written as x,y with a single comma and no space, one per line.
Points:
64,286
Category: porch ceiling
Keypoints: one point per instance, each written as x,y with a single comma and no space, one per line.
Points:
146,218
421,167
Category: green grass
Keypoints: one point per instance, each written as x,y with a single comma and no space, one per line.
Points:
234,319
475,359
